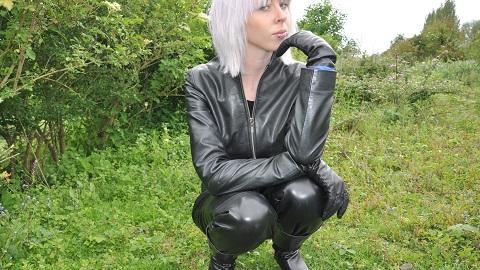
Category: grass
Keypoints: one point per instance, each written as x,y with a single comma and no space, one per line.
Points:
411,165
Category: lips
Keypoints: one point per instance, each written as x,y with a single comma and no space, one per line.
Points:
281,34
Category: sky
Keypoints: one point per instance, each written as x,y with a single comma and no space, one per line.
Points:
375,23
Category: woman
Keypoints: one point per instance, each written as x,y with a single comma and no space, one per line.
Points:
258,126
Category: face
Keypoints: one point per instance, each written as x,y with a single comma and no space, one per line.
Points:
267,27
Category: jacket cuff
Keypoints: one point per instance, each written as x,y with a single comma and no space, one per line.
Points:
322,68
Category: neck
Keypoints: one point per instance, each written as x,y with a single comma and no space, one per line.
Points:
255,63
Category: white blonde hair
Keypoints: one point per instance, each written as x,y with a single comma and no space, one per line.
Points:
227,23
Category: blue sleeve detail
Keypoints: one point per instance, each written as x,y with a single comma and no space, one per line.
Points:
322,68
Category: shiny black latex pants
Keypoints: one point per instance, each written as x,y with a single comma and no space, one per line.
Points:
239,222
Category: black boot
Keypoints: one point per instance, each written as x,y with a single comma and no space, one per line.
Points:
287,252
219,260
290,260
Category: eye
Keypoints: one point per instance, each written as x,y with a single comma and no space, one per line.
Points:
264,8
284,5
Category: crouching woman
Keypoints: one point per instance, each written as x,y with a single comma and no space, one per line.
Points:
258,125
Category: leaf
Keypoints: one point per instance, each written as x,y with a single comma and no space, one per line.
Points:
6,198
8,264
124,117
8,4
86,164
98,238
156,239
71,193
462,228
30,53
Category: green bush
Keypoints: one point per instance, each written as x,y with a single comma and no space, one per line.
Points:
89,70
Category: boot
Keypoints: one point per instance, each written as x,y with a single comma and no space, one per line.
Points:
287,252
290,260
219,260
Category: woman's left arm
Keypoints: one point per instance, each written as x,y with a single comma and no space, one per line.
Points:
310,124
309,128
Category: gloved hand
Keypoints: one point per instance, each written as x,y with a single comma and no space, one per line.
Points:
333,185
318,51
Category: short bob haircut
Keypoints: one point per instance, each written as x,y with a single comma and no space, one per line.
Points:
227,23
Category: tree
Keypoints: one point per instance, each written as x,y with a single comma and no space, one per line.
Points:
440,38
328,22
445,13
441,33
399,38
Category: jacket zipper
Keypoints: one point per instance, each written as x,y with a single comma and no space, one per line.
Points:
251,123
251,120
252,133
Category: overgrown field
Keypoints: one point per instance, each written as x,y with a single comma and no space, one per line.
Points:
407,144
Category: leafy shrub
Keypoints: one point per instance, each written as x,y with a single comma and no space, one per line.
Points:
86,70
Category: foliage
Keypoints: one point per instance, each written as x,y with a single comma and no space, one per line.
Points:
381,78
471,47
326,21
471,30
441,34
322,19
446,13
116,209
75,73
441,38
406,153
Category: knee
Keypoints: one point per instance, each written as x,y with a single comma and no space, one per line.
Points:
242,223
299,205
304,193
247,212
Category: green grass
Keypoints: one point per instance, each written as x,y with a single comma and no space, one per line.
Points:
411,165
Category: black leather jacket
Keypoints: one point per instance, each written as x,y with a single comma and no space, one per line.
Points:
232,152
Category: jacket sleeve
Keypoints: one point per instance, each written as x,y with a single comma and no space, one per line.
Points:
309,128
219,173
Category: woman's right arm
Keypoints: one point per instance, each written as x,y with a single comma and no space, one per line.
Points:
219,173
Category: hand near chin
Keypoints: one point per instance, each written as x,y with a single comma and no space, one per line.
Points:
318,51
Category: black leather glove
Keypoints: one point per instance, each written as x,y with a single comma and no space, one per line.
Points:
318,51
333,185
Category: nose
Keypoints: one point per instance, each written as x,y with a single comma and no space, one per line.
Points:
281,14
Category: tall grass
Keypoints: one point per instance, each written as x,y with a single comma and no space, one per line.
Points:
406,143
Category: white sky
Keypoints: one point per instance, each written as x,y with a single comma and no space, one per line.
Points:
375,23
